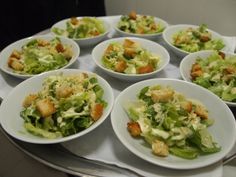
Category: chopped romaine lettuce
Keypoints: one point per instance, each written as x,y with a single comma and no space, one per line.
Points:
170,123
66,105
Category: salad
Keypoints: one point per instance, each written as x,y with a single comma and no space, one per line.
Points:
170,123
85,27
217,73
67,104
196,39
40,55
129,58
139,24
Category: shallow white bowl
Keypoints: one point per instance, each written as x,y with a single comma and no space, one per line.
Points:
171,30
223,130
189,60
85,42
151,46
11,107
6,52
152,37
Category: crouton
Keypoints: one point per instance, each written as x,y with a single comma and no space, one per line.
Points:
195,67
16,54
120,66
162,95
74,21
94,33
201,112
130,52
29,100
205,38
59,47
42,42
128,43
196,74
96,111
186,105
145,69
15,64
68,53
63,92
109,49
133,15
222,54
160,148
134,129
230,70
140,30
196,71
45,107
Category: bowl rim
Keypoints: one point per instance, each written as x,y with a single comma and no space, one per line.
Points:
107,42
193,57
41,76
157,19
146,158
185,26
63,21
25,40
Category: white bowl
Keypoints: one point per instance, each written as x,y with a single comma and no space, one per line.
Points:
152,37
189,60
11,107
6,52
151,46
85,42
171,30
223,129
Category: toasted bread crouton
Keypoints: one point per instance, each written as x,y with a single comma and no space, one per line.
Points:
134,128
74,20
145,69
128,43
45,107
120,66
222,54
109,49
196,71
68,53
162,95
94,33
186,105
230,70
133,15
16,54
153,26
15,64
59,47
96,111
205,37
29,100
42,42
63,92
130,52
196,67
201,112
196,74
160,148
140,30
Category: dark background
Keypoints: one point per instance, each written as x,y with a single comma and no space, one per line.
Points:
23,18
